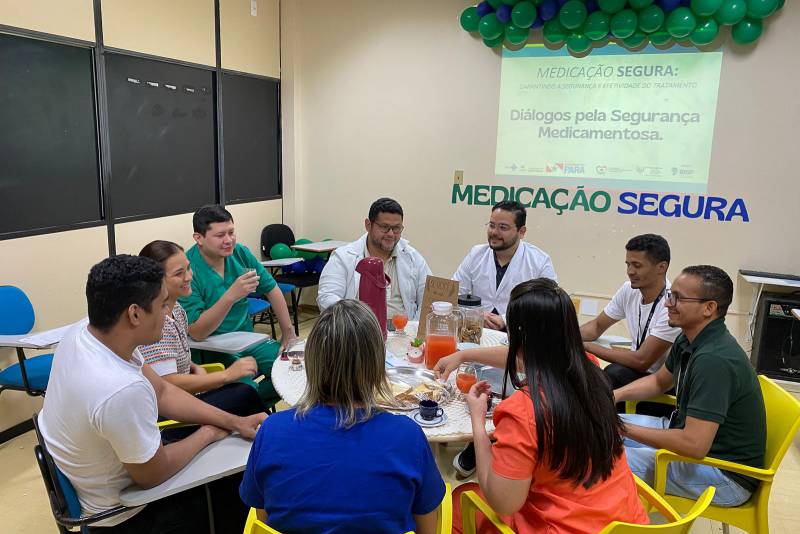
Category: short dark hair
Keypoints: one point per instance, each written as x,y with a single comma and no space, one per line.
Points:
117,282
384,205
654,246
160,251
715,285
516,209
208,215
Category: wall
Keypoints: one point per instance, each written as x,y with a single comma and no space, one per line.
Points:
52,268
394,97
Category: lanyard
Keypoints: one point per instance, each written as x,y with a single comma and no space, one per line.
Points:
643,332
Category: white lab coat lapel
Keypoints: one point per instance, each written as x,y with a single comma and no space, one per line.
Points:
510,279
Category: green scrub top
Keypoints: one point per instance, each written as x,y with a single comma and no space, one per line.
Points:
208,287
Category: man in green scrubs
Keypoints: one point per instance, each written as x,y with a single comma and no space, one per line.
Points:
225,273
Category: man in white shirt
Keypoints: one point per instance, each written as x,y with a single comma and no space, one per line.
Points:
492,270
641,302
102,405
406,267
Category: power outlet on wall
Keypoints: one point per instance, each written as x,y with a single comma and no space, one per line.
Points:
458,177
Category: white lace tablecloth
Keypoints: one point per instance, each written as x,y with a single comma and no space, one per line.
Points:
290,385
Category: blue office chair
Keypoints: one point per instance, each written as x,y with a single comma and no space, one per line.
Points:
16,317
63,500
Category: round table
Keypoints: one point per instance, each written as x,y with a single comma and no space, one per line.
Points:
290,385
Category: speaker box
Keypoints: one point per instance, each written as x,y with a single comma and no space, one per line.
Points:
776,343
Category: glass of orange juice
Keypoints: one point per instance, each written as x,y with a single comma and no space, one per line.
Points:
399,320
467,376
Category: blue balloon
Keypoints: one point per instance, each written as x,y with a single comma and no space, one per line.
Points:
548,9
484,8
562,2
299,267
591,6
668,5
537,22
503,13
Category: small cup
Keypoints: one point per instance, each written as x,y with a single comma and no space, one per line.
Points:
430,410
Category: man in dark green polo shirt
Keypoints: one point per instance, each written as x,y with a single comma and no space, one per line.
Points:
224,274
720,410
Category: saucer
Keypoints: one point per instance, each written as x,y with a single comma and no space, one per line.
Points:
489,414
437,421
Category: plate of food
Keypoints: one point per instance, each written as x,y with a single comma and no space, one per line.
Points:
410,385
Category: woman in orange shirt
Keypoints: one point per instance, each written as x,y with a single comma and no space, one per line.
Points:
558,464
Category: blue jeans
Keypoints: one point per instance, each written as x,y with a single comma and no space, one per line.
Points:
683,480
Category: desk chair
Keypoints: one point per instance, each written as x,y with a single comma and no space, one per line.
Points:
262,313
444,525
63,500
280,233
170,423
258,309
783,420
17,317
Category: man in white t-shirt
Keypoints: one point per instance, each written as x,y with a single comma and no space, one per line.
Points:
99,419
641,302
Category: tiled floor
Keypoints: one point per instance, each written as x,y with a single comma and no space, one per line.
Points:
24,507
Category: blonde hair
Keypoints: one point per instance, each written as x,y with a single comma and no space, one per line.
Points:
345,364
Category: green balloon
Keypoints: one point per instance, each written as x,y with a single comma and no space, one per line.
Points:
516,35
731,12
554,32
705,8
747,31
572,14
780,4
680,22
597,25
495,3
636,40
651,18
510,2
611,6
759,9
490,28
661,37
705,32
624,23
469,19
494,43
523,15
302,253
578,43
639,4
280,251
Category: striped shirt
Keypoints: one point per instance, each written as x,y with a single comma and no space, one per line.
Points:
170,355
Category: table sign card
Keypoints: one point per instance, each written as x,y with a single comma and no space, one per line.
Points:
436,289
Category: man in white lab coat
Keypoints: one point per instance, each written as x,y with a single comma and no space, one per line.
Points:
492,270
405,267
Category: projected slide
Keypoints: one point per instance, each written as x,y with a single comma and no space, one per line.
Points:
614,119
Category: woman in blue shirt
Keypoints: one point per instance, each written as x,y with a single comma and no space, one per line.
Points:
336,462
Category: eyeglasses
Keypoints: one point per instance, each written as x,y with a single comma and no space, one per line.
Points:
385,228
672,299
502,227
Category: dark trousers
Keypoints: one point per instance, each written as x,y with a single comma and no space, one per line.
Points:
236,398
187,512
619,376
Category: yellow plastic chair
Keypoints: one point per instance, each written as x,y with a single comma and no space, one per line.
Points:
630,406
210,368
444,525
471,502
783,420
674,526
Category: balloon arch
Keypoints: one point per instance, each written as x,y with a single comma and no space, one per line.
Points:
585,24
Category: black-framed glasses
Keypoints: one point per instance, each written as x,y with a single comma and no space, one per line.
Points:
672,299
502,226
385,228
